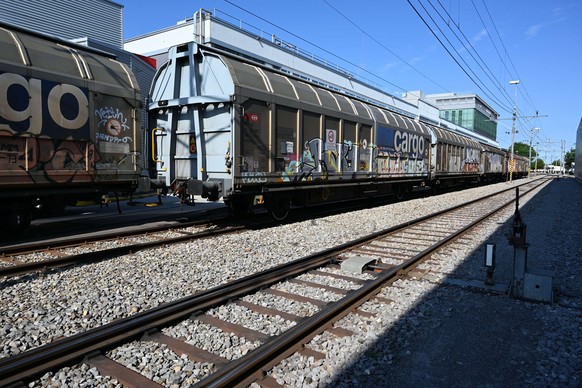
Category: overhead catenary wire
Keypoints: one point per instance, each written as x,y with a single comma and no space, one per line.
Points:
476,56
467,45
318,47
383,45
455,42
444,37
458,58
523,89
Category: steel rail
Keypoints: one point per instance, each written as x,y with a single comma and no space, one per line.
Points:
104,254
251,367
63,242
67,351
74,348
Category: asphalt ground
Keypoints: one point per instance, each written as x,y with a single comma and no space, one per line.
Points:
468,336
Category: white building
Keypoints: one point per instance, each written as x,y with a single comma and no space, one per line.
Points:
205,28
101,20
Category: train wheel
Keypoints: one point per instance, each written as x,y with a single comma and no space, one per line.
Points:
14,223
401,192
52,206
239,206
279,207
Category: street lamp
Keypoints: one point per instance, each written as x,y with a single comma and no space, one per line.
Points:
511,161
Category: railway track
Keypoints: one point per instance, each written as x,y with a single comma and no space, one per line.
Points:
46,255
28,259
380,259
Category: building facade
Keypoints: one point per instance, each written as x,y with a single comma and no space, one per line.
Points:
205,28
466,110
101,20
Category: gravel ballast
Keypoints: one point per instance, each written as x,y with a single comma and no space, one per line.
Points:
436,334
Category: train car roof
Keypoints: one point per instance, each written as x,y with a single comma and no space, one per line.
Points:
251,75
35,55
487,147
55,39
455,138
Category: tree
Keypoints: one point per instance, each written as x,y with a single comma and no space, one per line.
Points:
522,149
539,164
569,158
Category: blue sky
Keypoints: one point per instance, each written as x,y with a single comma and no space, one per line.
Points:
535,41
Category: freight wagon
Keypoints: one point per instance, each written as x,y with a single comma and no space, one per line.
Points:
227,126
69,126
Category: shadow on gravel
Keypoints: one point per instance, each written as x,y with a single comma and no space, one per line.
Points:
461,336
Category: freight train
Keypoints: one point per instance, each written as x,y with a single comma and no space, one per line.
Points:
69,126
226,126
220,125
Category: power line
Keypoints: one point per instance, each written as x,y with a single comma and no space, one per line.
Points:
445,37
317,46
382,45
523,88
486,81
475,79
481,62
